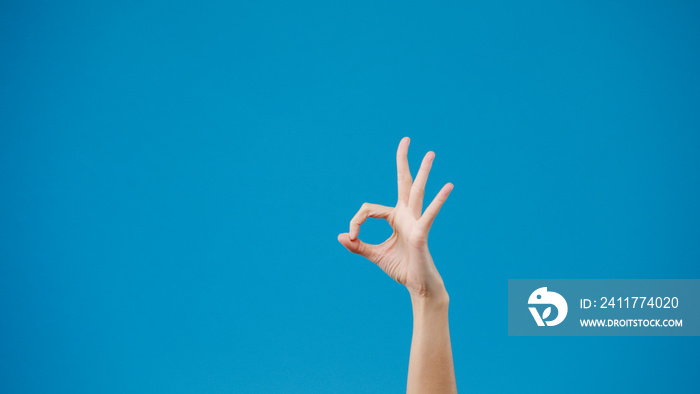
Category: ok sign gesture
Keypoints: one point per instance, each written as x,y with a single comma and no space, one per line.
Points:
404,256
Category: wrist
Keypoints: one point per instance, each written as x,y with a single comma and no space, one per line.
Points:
433,298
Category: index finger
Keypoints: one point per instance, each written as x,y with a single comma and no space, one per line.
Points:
367,210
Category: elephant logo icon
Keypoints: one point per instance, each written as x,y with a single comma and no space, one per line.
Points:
543,297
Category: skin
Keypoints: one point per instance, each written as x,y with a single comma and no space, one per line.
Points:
405,258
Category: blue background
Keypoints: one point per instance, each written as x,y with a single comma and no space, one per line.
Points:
174,176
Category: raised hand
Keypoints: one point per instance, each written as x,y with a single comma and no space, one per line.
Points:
404,256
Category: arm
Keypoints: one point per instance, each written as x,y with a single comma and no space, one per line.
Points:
405,257
430,368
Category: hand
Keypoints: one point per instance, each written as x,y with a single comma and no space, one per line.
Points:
404,256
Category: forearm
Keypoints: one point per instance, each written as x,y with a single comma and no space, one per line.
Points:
430,368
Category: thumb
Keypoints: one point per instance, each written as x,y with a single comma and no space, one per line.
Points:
356,246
